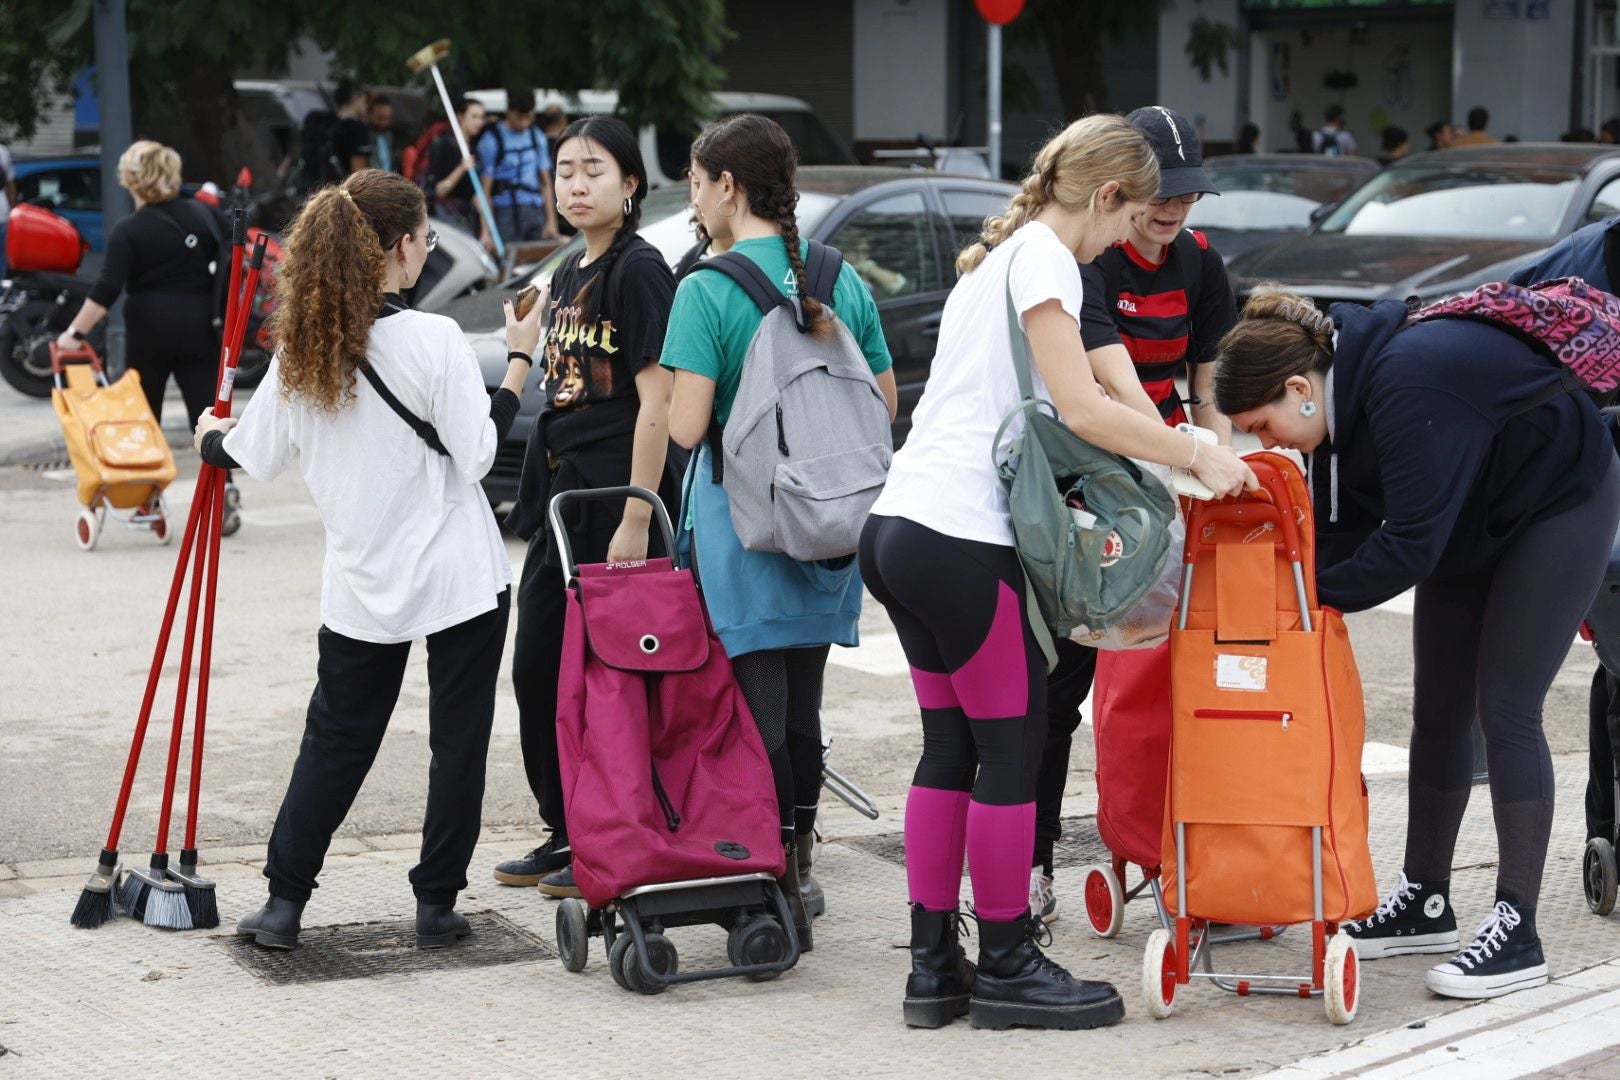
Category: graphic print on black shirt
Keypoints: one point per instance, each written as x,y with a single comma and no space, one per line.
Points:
601,333
1150,309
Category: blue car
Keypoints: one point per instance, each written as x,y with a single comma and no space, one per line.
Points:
71,186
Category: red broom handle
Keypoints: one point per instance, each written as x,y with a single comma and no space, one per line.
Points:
236,330
205,496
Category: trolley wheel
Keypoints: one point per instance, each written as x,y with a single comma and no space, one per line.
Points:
760,940
1598,875
664,960
1341,976
160,527
1159,974
573,938
618,963
1105,901
87,528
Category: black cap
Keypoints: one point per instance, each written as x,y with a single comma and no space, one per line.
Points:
1181,157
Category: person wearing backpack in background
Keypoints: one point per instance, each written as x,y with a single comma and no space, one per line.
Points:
605,424
1447,455
938,552
335,144
776,616
515,163
449,172
1332,139
1156,306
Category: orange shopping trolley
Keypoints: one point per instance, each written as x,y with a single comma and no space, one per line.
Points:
1266,810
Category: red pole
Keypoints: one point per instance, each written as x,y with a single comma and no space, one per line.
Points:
205,496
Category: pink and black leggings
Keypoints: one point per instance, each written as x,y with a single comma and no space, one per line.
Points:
958,607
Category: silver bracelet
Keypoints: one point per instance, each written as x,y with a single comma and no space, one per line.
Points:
1194,459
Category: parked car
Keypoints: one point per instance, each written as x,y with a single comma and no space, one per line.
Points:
909,223
1267,197
667,152
1442,223
70,186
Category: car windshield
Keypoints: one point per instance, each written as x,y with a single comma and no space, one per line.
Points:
1502,202
1244,210
1317,184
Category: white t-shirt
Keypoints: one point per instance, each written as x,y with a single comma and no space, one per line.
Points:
411,547
943,477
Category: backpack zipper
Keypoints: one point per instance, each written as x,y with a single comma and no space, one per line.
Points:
671,817
1272,716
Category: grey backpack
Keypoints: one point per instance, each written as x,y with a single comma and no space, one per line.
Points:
807,447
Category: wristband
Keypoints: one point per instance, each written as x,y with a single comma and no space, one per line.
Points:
523,356
78,335
1193,460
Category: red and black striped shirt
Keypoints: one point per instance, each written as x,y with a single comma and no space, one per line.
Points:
1166,314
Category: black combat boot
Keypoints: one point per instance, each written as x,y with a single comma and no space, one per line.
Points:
793,889
941,978
275,926
1017,984
439,925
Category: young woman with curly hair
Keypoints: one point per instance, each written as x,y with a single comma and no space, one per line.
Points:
411,548
776,617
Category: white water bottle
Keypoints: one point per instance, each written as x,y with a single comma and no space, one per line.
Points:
1183,480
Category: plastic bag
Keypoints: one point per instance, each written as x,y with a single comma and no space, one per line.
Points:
1148,624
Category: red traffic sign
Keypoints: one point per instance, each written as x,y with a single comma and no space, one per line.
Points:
1000,12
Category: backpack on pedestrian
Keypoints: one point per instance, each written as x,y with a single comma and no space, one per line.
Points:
493,128
1564,319
317,145
807,447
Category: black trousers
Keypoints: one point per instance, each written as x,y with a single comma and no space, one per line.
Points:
542,605
354,697
172,334
1067,687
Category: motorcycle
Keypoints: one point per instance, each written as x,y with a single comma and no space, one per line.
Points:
40,295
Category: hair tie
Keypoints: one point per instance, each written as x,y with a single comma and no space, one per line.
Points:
345,193
1306,316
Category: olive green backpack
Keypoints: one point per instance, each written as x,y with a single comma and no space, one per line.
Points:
1075,575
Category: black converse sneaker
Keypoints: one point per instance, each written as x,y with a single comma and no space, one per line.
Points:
1505,956
1410,919
548,858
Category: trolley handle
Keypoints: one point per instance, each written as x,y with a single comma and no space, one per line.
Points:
1272,501
82,354
629,491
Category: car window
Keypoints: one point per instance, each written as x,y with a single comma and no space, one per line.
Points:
1318,184
1473,201
64,189
967,211
1607,203
889,243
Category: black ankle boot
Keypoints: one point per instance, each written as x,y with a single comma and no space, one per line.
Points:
438,925
275,926
941,978
794,891
1017,984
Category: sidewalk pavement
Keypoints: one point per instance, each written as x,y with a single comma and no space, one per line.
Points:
134,1000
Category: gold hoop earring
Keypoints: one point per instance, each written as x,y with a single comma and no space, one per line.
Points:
721,208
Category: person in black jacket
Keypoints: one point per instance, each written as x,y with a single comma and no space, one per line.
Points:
1445,455
163,256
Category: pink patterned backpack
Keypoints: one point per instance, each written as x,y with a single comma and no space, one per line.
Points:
1565,318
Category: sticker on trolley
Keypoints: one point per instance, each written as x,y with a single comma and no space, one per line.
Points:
1240,672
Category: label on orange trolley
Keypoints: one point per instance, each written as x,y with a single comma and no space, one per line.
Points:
1240,672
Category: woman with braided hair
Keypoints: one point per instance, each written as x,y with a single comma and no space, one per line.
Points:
605,424
776,617
386,413
938,553
1445,456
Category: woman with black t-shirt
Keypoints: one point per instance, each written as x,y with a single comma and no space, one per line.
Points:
449,170
605,424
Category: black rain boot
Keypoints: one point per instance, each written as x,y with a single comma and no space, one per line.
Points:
793,890
815,901
439,925
1017,984
941,979
274,926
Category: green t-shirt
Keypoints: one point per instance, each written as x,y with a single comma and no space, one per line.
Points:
713,320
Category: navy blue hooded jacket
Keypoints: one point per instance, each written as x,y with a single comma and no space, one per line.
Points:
1439,456
1585,253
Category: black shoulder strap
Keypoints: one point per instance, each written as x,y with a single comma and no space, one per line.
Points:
1611,253
821,271
1192,270
747,274
429,434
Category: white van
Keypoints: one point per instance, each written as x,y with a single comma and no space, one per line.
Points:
668,152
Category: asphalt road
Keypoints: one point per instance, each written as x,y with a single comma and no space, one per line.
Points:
77,639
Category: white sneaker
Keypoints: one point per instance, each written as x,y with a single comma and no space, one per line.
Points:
1043,903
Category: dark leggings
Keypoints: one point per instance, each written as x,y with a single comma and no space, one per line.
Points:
171,334
1492,644
958,608
783,691
1067,688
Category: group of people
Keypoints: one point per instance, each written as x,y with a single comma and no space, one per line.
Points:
1444,455
1334,139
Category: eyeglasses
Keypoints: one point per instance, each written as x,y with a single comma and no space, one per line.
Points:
1184,200
431,239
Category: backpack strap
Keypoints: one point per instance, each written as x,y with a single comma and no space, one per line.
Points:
750,278
1191,254
821,271
427,431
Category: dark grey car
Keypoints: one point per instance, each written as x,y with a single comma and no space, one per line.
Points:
909,222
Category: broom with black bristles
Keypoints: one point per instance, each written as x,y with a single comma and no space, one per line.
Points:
199,891
96,901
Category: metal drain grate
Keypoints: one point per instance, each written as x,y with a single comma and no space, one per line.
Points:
361,950
1079,846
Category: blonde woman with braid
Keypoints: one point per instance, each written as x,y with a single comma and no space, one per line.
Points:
1446,457
776,617
938,553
